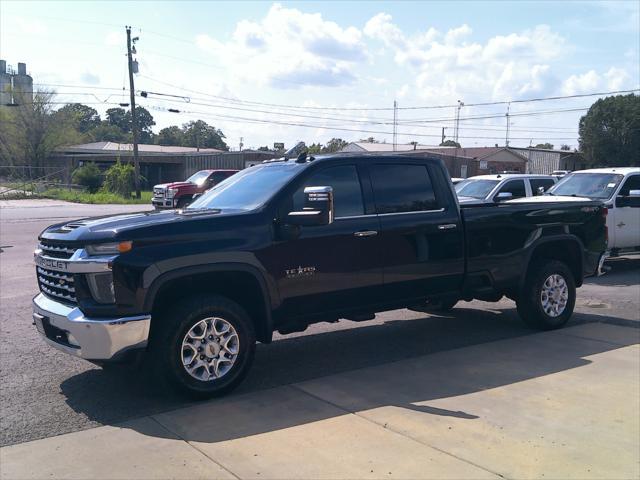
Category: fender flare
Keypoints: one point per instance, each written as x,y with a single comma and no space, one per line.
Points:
553,238
160,279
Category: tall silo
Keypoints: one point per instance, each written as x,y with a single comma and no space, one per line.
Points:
22,85
5,84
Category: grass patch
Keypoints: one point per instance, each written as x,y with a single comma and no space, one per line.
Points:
78,196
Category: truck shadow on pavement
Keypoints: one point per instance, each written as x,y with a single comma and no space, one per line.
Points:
416,361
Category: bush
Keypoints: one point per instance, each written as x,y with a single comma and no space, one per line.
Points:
120,179
88,176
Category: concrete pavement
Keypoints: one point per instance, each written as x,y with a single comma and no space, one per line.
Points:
562,404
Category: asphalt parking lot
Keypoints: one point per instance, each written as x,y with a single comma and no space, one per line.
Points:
44,393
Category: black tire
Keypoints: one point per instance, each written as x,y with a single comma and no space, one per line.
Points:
166,346
183,202
530,303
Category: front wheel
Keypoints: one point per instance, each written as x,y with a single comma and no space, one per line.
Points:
549,296
204,346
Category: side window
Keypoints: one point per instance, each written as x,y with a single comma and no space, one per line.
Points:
515,187
631,183
536,183
347,193
402,188
217,177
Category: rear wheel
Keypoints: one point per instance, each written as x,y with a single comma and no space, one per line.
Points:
183,202
204,346
549,296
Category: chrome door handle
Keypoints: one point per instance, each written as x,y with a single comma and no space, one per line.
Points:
447,226
366,233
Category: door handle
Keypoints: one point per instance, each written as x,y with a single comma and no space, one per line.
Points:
447,226
365,233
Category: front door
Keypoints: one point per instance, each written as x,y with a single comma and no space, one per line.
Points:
327,268
626,222
421,235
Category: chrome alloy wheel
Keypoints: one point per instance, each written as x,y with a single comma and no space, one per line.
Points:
210,348
554,295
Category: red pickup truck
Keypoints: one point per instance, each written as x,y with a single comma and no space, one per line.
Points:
180,194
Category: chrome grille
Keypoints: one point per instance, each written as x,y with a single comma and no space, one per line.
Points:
56,251
57,284
158,192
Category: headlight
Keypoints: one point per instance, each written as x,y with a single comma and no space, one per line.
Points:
171,192
101,286
109,248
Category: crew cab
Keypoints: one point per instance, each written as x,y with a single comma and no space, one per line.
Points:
501,187
288,243
180,194
619,189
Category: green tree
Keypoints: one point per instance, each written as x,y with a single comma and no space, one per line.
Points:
264,149
547,145
314,148
83,117
118,118
106,132
121,119
610,132
334,145
450,143
30,131
565,147
172,135
119,179
198,133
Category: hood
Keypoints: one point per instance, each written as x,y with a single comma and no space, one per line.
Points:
130,226
176,185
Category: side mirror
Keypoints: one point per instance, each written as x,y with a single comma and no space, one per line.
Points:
631,200
318,209
502,196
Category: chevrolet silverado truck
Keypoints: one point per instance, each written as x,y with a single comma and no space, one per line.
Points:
287,243
180,194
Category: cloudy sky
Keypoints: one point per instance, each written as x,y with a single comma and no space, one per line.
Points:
282,72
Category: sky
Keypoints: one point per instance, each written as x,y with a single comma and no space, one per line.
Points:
268,72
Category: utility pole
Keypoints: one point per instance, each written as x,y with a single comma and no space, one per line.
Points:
457,130
506,140
395,124
443,137
134,115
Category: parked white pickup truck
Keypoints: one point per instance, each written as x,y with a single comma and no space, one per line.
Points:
619,189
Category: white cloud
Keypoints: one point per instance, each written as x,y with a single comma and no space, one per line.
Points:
289,48
592,81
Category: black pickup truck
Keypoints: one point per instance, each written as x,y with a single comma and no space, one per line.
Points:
287,243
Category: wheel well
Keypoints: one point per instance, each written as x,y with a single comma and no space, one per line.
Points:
565,251
241,287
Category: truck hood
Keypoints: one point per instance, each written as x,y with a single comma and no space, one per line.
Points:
179,185
129,226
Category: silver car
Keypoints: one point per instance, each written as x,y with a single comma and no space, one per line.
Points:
501,187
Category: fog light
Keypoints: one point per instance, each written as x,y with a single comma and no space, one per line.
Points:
72,340
101,286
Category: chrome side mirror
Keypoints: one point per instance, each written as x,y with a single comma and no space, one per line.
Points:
502,196
318,209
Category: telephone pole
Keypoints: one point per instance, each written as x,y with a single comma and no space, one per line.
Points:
395,124
506,139
134,115
443,136
457,128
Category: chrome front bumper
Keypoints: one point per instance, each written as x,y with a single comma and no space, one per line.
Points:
67,329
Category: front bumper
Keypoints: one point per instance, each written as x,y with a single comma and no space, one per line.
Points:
66,328
162,202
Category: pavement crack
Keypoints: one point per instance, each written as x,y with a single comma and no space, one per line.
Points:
153,418
397,432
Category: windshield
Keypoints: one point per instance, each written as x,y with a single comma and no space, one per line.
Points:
591,185
475,188
199,177
247,189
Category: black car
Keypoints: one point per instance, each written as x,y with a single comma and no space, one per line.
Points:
287,243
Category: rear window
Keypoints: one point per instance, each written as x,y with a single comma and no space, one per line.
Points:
402,188
545,183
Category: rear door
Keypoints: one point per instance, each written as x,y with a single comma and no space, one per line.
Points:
421,237
537,183
627,215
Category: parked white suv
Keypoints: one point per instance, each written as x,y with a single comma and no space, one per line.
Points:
619,189
500,187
